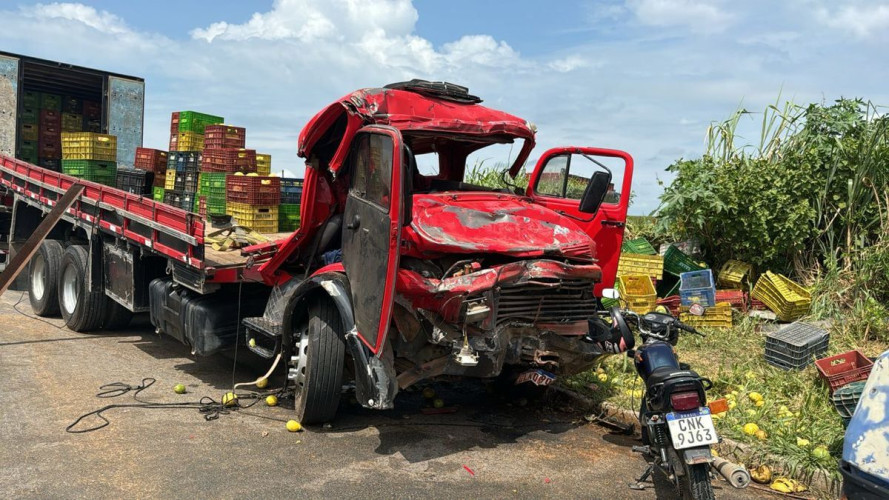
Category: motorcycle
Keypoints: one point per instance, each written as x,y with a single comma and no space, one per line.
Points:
677,427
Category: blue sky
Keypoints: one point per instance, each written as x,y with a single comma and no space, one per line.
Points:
646,76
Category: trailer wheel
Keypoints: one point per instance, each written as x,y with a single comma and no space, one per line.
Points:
43,279
81,308
317,364
116,315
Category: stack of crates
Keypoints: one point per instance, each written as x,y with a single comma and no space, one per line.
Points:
253,201
181,179
697,287
92,116
291,198
796,346
72,114
717,316
211,187
224,137
49,143
263,164
788,300
90,156
154,161
187,130
29,132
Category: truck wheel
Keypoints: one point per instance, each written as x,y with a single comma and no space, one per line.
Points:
82,309
116,315
317,364
43,277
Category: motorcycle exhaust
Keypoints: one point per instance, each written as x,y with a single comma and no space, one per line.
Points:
736,475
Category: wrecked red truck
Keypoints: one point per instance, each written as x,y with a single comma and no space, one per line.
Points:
401,270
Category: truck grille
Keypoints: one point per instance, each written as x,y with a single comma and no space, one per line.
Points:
567,301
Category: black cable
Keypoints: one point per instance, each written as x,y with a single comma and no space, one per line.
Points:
237,335
23,313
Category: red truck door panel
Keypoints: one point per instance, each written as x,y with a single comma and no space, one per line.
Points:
558,182
372,221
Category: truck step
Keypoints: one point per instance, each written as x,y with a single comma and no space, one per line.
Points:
263,336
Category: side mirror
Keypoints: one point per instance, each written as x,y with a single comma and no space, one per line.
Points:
610,293
595,192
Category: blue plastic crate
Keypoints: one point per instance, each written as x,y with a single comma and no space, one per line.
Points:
697,287
291,191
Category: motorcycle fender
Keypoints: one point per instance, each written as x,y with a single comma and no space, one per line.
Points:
699,455
375,385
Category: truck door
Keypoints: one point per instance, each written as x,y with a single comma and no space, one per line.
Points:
9,92
126,106
372,222
558,182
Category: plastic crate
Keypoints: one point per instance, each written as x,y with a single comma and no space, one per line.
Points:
51,101
181,181
637,291
49,117
229,160
717,316
696,287
92,126
288,217
263,164
737,299
676,262
92,110
179,199
845,399
31,99
89,146
72,105
133,180
186,141
170,180
735,275
72,122
30,115
224,136
638,246
650,265
192,121
262,219
672,303
788,300
103,172
152,160
183,161
29,132
845,368
796,346
53,164
157,193
253,190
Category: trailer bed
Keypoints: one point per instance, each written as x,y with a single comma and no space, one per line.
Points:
155,227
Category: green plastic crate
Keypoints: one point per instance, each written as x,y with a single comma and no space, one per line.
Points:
30,99
157,193
638,246
676,262
845,399
103,172
192,121
51,101
288,217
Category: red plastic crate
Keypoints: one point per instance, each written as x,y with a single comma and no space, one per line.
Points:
92,110
737,298
174,124
253,190
229,160
152,160
224,136
50,117
844,368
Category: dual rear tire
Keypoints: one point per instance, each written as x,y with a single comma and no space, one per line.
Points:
58,284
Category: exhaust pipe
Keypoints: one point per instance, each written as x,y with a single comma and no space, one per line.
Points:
736,475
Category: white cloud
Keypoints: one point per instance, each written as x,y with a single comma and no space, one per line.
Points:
89,16
863,21
569,63
700,16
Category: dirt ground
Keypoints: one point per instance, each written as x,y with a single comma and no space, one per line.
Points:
491,447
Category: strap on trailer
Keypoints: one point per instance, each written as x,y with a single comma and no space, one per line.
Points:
23,256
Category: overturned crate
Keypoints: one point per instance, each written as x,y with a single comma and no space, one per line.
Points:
649,265
718,316
788,300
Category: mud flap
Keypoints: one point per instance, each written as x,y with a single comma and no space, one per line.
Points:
700,455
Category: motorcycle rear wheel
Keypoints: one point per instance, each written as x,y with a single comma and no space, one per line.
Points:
695,484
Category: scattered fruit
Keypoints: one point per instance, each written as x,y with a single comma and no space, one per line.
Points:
732,404
802,442
755,397
600,370
271,400
262,383
761,474
820,452
428,393
293,426
750,428
602,377
438,403
251,342
761,435
230,399
750,412
785,485
179,389
759,403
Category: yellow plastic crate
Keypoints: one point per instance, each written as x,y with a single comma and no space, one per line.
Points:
170,180
260,218
637,292
89,146
189,141
788,300
649,265
263,164
718,316
735,275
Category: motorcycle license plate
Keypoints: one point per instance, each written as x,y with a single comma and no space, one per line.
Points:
691,428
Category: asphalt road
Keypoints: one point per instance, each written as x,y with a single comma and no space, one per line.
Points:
491,447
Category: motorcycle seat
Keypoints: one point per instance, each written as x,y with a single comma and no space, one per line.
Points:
668,373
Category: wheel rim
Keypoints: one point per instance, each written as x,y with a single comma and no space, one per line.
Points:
298,363
38,277
70,289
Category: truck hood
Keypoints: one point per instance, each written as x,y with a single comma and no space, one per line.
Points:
463,222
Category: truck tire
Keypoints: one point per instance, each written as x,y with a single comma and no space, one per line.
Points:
43,277
318,362
116,316
81,308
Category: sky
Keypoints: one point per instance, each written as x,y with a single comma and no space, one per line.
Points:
644,76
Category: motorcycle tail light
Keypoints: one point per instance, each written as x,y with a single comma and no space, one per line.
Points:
685,400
